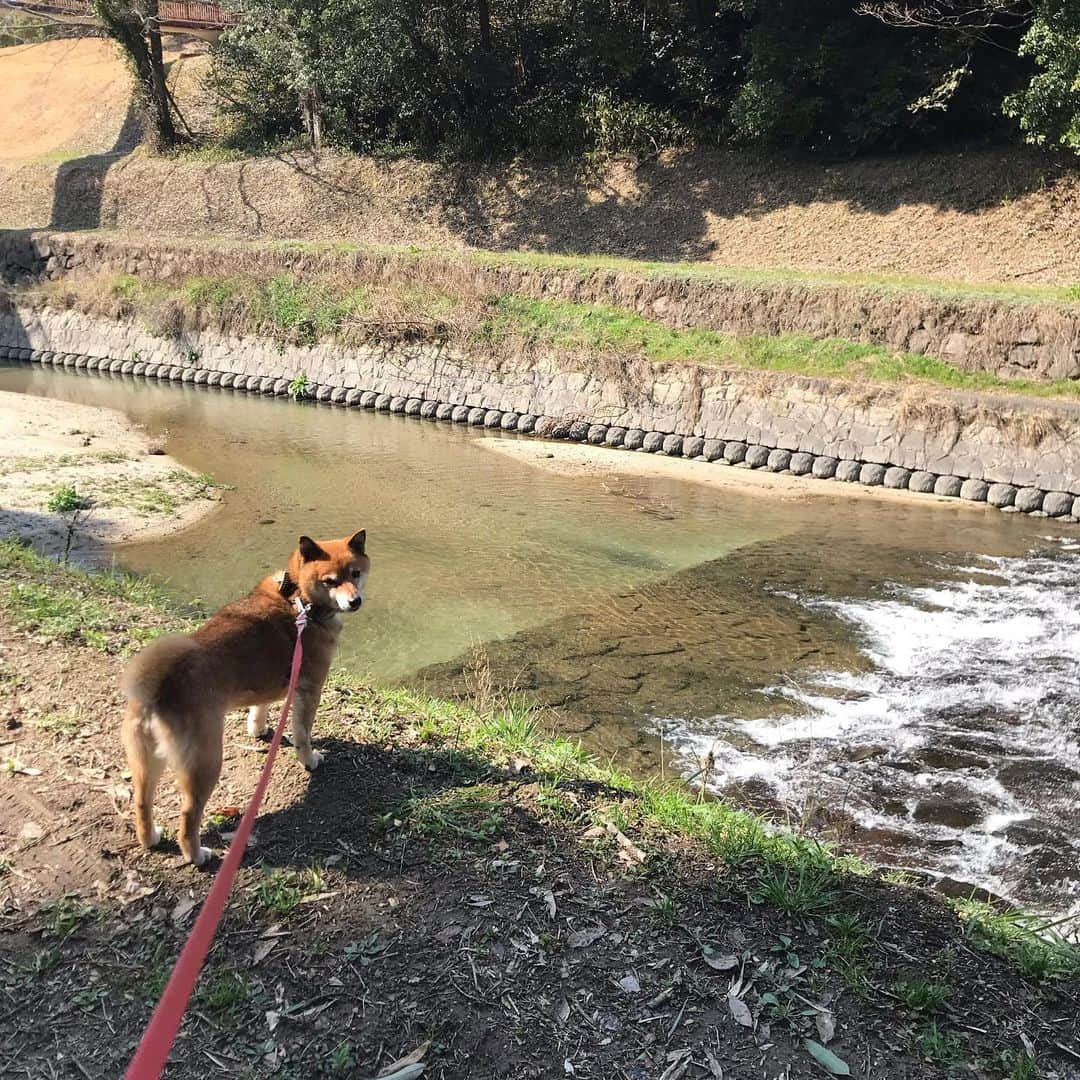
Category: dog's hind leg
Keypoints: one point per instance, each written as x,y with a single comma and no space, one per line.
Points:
146,763
197,774
257,726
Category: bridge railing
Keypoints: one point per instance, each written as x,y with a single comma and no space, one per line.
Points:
195,13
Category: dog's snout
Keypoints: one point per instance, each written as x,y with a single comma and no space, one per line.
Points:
355,602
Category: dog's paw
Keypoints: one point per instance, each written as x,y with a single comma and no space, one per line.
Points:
156,833
201,857
313,761
257,726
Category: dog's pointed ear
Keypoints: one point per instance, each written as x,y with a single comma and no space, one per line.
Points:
310,551
357,541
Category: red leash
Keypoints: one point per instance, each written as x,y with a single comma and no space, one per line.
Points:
160,1034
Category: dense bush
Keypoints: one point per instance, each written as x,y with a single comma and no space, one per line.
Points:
1048,108
570,76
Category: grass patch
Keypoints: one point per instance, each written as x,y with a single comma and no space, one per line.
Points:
59,602
1029,942
458,307
596,329
62,723
282,891
224,994
60,918
922,994
805,889
943,1047
459,814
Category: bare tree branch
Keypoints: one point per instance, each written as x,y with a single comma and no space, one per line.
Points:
971,18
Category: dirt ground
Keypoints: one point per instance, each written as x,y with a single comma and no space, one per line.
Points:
72,97
411,896
131,490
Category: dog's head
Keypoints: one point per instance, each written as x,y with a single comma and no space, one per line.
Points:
331,573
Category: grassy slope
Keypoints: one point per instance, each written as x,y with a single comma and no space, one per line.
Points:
306,311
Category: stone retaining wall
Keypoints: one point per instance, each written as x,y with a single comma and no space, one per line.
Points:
1015,340
1013,453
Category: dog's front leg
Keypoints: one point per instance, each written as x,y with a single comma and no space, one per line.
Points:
305,703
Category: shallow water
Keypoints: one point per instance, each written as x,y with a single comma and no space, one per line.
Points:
904,677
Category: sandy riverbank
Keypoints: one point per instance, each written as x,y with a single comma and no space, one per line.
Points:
131,491
581,459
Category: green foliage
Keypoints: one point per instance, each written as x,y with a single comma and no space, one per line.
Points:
1048,108
66,500
922,994
282,891
1031,944
606,76
942,1047
470,813
300,387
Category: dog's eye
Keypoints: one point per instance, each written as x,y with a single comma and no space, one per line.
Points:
329,582
355,574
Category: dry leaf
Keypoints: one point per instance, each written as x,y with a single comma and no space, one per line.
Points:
263,951
714,1066
630,984
720,963
826,1025
582,939
562,1010
740,1011
183,909
402,1063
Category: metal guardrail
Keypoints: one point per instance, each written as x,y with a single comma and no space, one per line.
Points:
198,14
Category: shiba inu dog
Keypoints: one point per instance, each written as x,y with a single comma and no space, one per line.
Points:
180,687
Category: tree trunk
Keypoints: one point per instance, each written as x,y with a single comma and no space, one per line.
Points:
139,34
311,111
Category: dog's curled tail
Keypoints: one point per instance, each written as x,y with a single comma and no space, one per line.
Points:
142,678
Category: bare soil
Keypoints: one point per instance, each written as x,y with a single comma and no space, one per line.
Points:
526,944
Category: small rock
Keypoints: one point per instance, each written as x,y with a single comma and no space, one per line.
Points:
949,486
653,442
734,452
615,436
757,457
1001,495
579,431
801,464
596,435
922,481
492,419
1057,504
397,404
872,475
634,439
672,445
824,467
429,410
413,406
476,417
779,460
460,414
848,471
155,451
526,423
713,449
509,421
974,490
1028,499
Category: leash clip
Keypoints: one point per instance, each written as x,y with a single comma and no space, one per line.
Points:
302,610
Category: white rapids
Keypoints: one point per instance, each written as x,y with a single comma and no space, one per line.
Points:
957,752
